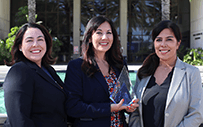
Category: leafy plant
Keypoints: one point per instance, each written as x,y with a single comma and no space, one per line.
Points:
3,52
6,45
11,37
194,57
56,46
21,15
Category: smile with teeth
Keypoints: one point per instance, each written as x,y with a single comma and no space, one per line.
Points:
36,51
103,43
165,51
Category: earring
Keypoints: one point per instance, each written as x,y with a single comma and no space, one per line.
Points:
21,50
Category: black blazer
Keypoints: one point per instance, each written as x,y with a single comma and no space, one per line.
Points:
88,99
33,98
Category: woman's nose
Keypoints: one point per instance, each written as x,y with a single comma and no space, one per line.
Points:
35,43
104,36
163,43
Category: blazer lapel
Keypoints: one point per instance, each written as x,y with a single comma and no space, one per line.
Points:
143,85
178,74
58,82
98,75
55,76
42,73
48,78
140,90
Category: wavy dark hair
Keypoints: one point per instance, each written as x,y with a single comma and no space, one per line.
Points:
151,63
17,55
113,56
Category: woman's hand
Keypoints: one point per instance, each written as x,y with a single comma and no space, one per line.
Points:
133,106
118,107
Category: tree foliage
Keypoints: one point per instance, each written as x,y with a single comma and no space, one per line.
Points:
20,16
6,45
194,56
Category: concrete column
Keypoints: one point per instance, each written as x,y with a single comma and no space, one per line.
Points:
4,18
123,25
196,23
76,28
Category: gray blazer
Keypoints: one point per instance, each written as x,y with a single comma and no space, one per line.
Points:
184,104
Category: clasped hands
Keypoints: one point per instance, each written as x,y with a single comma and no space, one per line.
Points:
131,108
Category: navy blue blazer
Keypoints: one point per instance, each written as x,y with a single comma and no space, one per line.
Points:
88,97
33,98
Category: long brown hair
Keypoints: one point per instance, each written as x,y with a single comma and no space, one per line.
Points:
18,55
113,56
151,63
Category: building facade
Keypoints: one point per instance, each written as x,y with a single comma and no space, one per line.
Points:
4,18
196,24
133,19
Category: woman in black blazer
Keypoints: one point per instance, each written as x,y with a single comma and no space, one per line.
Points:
90,79
33,92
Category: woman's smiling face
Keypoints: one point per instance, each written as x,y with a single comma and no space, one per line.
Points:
33,45
102,38
166,45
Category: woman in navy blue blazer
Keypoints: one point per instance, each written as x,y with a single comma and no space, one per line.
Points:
33,92
90,79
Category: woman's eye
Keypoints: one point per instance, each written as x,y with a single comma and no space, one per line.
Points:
158,40
40,39
109,33
169,39
98,32
29,40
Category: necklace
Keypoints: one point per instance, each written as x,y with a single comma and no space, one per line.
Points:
166,67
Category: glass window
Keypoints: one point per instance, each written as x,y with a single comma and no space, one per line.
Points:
174,10
180,13
91,8
16,6
52,5
142,16
40,6
56,16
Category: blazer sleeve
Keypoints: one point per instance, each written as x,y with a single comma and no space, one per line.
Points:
18,94
76,107
194,116
134,118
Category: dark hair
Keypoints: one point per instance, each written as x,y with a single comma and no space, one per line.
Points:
151,63
17,55
113,56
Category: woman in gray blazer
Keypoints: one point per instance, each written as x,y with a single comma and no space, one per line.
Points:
170,91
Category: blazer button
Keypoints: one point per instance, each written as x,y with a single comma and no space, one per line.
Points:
167,114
